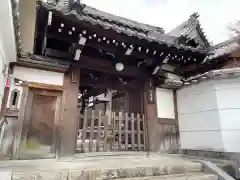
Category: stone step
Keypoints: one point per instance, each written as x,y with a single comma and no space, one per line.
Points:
188,176
107,174
98,169
74,176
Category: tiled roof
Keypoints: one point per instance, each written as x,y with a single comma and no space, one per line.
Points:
119,24
223,48
185,27
120,21
191,28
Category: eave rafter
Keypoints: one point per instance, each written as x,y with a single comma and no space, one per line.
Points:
73,16
120,44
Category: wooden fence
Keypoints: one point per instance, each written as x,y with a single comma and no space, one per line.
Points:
114,132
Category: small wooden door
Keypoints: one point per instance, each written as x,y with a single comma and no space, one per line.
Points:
40,126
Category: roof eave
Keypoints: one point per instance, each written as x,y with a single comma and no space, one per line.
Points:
141,36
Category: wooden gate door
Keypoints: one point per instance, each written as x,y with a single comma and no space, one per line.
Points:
40,128
126,132
169,136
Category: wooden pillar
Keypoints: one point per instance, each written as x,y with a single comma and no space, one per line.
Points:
150,112
69,113
109,107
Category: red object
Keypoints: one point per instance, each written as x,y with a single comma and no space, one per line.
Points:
8,82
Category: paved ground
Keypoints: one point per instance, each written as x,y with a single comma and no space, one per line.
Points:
100,167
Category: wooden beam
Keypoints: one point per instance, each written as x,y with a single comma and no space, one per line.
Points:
44,63
108,67
117,86
56,53
45,86
120,51
110,83
167,121
112,48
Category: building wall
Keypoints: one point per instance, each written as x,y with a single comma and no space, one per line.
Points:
38,76
199,121
228,93
2,84
209,115
7,35
7,41
27,10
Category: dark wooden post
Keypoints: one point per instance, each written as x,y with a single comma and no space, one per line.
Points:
150,111
69,113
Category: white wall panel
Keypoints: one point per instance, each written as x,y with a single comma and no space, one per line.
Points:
197,88
208,120
227,83
165,103
209,115
7,41
38,76
7,35
231,140
201,140
230,119
198,102
198,117
228,98
27,18
2,82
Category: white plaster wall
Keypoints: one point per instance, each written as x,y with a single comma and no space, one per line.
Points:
228,97
7,41
199,121
27,10
7,36
38,76
209,115
3,62
2,84
165,103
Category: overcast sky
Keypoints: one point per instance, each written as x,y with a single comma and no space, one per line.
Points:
215,15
